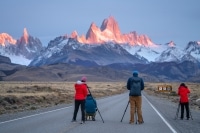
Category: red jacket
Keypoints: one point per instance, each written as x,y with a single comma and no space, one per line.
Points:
81,90
183,93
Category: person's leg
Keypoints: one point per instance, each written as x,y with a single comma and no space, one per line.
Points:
187,110
132,109
139,109
83,110
76,107
86,116
182,110
93,116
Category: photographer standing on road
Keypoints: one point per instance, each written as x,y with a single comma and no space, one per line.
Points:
183,92
135,84
80,96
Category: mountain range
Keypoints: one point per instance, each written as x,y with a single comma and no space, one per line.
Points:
106,45
22,50
133,47
103,47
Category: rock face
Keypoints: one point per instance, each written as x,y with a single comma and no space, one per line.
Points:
4,59
64,50
20,51
6,39
28,46
110,32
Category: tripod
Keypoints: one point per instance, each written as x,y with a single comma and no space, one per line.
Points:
125,112
94,101
178,112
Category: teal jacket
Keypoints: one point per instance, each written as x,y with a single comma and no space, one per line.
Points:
90,104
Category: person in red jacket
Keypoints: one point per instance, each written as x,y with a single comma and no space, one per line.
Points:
80,96
183,92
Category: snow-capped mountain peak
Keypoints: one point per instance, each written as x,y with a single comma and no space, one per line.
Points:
20,51
170,54
193,47
25,35
171,44
110,27
110,32
6,39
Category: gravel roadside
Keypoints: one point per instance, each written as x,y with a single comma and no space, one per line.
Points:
168,110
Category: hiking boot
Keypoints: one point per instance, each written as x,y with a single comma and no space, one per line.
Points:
82,122
73,121
141,122
93,118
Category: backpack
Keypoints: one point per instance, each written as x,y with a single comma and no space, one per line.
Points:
135,86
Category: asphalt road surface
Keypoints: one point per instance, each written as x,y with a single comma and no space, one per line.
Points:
111,109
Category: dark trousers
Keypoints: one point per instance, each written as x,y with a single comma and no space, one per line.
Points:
186,105
76,107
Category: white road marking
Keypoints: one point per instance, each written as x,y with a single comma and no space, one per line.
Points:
34,115
170,127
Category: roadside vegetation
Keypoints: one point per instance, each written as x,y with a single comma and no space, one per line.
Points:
22,96
152,89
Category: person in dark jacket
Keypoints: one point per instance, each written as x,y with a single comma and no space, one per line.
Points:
80,96
135,85
183,92
90,107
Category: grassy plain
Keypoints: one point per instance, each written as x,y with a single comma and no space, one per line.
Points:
21,96
152,89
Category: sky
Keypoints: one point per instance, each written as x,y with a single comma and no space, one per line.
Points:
161,20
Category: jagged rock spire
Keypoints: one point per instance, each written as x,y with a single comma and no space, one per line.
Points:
110,32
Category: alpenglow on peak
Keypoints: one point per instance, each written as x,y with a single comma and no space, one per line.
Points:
110,32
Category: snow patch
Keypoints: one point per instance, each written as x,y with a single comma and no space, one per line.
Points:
19,59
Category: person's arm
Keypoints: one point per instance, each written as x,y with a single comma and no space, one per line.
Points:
128,84
95,103
188,90
142,84
85,91
179,91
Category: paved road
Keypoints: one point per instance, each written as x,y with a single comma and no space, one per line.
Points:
111,109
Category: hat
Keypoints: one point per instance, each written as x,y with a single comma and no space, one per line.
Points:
83,79
135,72
183,84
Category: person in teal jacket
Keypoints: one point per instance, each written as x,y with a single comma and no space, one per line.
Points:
90,107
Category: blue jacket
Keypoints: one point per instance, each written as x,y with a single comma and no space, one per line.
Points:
135,84
90,104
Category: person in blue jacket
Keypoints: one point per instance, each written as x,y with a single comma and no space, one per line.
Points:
135,85
90,107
